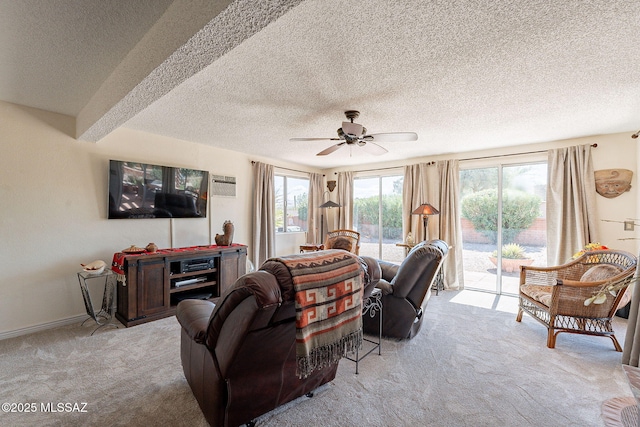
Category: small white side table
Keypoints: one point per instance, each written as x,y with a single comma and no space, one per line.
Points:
104,317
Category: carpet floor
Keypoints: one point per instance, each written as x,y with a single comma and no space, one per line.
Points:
471,364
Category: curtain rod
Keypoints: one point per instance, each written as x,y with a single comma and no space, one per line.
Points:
514,154
253,162
470,158
382,169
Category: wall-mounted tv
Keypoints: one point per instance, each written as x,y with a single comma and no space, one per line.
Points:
140,190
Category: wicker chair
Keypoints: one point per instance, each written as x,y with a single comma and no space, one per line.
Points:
353,236
555,296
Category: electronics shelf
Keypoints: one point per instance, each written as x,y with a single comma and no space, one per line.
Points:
155,283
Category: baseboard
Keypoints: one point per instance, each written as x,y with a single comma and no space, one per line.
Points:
42,327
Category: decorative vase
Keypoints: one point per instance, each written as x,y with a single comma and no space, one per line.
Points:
151,247
409,240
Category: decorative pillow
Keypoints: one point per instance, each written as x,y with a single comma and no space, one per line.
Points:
329,242
600,272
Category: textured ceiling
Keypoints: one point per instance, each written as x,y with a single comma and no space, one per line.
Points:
463,75
54,54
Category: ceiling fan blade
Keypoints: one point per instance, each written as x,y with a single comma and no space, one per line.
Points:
330,149
391,137
373,148
314,139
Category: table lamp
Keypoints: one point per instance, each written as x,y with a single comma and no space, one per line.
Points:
425,210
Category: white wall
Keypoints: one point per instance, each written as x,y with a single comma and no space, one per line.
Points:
53,193
618,151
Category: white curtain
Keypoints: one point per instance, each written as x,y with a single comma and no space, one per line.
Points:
438,186
264,243
345,200
631,349
415,191
316,190
450,225
571,203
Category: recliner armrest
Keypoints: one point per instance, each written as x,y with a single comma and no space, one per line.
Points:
385,287
193,316
388,270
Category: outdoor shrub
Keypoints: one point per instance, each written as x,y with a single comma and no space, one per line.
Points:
367,211
519,210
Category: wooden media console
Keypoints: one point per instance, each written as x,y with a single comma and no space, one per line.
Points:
154,283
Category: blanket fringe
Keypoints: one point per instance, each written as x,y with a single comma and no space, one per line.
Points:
326,355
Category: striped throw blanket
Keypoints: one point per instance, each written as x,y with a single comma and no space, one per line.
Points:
328,299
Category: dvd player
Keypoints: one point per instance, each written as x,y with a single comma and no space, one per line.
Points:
199,264
185,282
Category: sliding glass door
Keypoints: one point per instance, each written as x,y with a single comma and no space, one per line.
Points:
377,216
503,224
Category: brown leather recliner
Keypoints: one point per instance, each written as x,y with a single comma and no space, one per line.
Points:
406,290
239,356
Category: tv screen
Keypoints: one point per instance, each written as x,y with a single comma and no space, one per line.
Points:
139,190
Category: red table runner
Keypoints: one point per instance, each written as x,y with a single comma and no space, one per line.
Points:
117,265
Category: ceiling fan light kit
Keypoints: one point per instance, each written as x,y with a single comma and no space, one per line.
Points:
353,129
354,134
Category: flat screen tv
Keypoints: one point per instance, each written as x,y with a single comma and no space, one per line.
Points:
139,190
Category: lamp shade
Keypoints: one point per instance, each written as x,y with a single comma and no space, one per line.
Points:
425,209
329,204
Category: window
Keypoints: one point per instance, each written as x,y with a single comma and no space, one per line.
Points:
292,203
377,216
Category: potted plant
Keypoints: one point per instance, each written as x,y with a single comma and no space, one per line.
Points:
513,256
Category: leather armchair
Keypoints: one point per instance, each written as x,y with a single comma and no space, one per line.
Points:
239,356
406,290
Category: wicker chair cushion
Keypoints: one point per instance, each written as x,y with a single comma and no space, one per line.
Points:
600,272
340,242
537,292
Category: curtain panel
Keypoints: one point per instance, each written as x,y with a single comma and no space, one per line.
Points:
450,224
316,191
420,186
414,193
345,200
438,186
631,348
572,216
263,243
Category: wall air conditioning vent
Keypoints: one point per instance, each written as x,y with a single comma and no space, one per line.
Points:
224,186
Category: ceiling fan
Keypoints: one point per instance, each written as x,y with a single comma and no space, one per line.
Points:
354,134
